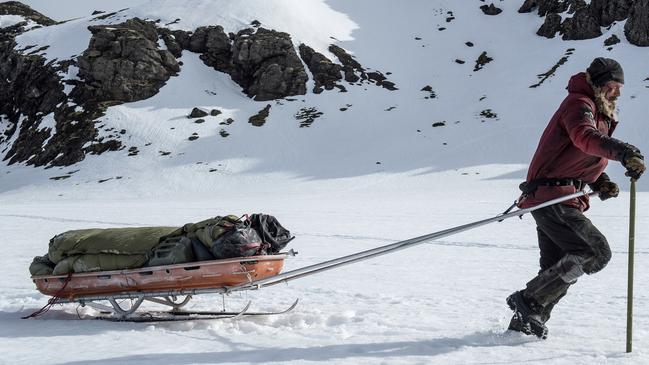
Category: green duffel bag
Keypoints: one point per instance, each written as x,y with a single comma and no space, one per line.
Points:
99,262
119,241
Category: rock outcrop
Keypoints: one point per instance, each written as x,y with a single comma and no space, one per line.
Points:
325,73
606,12
582,25
354,72
123,63
18,8
588,18
551,26
637,26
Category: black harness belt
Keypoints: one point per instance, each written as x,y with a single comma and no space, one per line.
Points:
529,187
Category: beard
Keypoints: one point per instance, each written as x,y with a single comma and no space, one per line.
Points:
606,106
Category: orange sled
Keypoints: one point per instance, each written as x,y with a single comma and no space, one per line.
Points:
162,285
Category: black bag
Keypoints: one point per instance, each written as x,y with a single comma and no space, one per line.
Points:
273,235
237,242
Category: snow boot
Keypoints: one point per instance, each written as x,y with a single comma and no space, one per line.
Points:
527,315
516,324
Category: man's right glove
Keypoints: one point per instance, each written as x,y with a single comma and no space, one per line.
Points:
633,161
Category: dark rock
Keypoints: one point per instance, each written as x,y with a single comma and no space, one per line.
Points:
193,137
224,133
182,38
255,23
488,113
97,12
606,12
582,25
199,121
439,124
469,44
612,40
215,112
461,62
637,26
551,26
429,89
123,63
170,41
350,65
262,62
482,60
528,6
227,121
307,116
576,5
18,8
260,118
197,113
325,73
266,65
491,9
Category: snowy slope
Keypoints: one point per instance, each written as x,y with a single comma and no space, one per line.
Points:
373,174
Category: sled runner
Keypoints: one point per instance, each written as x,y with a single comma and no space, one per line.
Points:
162,285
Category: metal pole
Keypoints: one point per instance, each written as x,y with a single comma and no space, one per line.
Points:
327,265
629,296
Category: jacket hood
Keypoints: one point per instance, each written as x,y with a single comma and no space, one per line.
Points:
579,85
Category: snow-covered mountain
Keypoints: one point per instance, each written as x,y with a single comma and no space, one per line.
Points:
433,128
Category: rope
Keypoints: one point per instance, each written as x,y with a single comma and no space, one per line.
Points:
51,301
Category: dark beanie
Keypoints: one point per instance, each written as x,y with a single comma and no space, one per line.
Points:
603,70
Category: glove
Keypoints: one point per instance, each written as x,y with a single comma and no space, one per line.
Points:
608,189
633,162
605,187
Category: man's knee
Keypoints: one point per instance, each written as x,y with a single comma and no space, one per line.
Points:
599,260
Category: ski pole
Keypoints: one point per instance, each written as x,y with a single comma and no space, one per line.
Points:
629,295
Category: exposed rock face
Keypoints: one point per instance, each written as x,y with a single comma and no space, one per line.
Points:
18,8
263,62
551,6
266,65
30,89
354,72
581,26
606,12
325,72
123,63
637,26
551,25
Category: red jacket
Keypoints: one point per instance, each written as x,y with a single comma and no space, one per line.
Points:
576,144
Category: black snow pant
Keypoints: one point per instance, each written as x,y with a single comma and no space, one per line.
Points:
570,246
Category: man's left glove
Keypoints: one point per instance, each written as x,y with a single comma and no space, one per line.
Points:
608,189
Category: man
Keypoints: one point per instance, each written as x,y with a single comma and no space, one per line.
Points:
573,152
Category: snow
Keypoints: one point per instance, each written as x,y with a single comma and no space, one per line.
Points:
9,20
353,180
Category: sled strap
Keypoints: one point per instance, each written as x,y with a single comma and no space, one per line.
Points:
53,300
